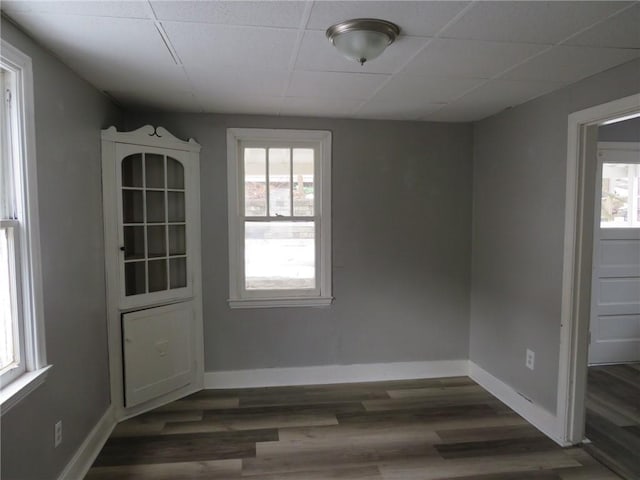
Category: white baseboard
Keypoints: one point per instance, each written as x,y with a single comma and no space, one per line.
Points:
540,418
367,372
86,454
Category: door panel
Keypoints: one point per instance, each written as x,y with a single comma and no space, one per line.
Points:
157,351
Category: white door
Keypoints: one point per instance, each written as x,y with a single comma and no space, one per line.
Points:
152,243
615,298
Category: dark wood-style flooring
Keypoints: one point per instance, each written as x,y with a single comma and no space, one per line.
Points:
613,417
402,430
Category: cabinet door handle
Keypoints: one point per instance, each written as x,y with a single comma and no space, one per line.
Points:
123,249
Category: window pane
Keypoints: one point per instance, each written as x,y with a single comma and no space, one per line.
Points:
279,182
132,171
176,206
177,240
279,255
157,275
620,205
133,243
155,207
134,278
156,241
132,206
255,182
7,342
178,269
154,170
303,182
175,173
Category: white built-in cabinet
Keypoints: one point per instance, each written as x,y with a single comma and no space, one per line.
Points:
152,254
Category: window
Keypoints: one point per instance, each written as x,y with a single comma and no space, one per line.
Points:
279,217
620,204
22,355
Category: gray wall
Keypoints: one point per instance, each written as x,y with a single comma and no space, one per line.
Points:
69,114
401,237
627,131
518,227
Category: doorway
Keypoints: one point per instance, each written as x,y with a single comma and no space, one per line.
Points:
613,379
580,214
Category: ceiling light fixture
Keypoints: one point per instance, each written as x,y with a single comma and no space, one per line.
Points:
362,39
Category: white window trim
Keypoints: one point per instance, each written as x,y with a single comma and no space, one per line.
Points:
237,294
34,355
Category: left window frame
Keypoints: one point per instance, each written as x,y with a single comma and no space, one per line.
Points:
21,220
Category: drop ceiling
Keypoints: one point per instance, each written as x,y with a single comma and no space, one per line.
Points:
454,61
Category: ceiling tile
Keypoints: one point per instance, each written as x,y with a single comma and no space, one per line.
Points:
421,18
529,21
240,104
461,113
334,85
432,89
122,9
230,82
104,50
621,31
317,54
157,100
404,109
318,107
109,77
221,46
464,58
570,64
269,14
492,98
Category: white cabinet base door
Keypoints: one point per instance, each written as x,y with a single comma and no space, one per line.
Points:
157,351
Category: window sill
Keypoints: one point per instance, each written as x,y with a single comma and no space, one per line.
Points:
17,390
279,302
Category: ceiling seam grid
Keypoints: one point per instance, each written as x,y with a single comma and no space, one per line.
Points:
429,40
513,67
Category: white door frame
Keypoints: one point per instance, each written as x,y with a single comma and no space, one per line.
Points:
576,273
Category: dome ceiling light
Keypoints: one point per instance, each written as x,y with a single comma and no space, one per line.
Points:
362,39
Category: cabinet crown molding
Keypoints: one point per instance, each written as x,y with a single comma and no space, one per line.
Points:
152,136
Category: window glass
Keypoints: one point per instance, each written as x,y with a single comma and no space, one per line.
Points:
279,255
8,347
620,204
279,182
255,182
303,182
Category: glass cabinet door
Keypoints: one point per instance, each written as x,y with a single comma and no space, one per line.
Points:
154,225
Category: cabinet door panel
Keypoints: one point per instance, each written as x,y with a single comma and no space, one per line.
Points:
157,351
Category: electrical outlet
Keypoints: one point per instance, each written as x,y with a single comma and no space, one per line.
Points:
57,433
530,360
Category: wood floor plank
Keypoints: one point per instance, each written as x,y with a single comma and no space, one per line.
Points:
436,391
501,432
250,422
200,403
495,447
334,456
435,468
182,448
410,403
207,470
536,475
352,473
